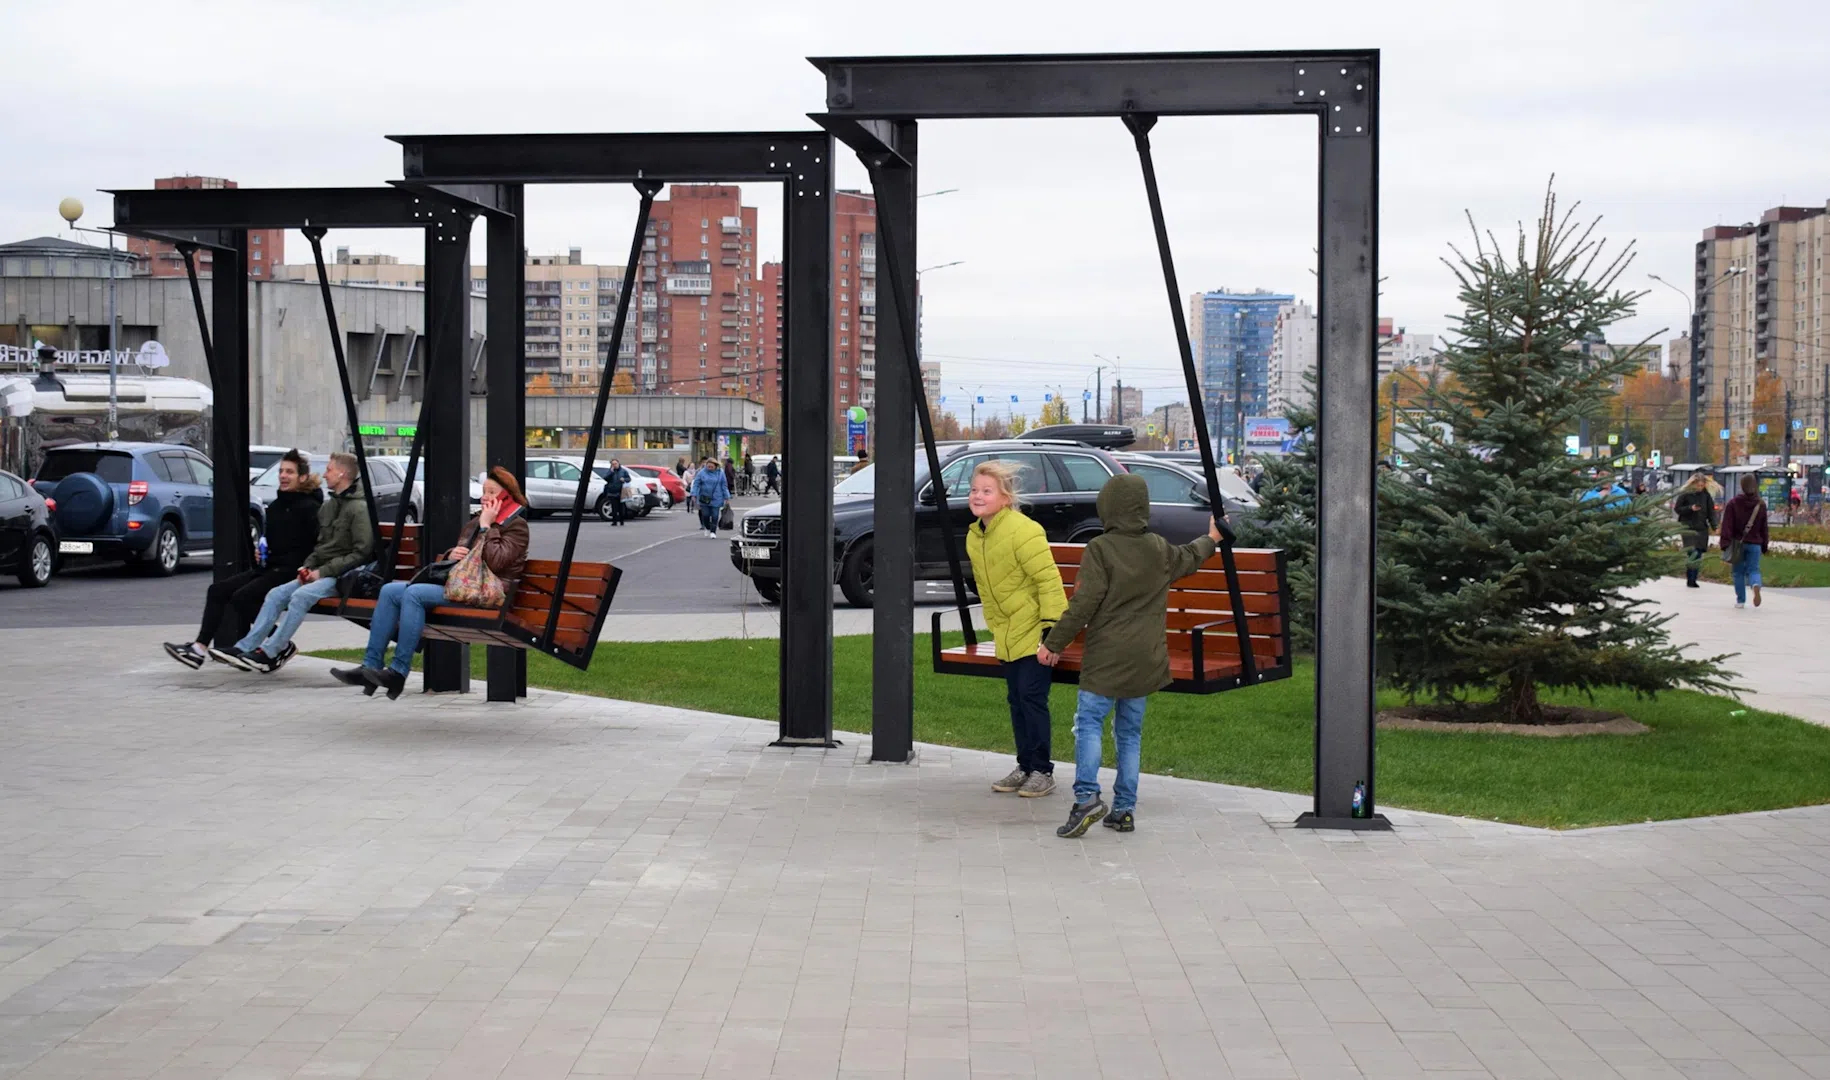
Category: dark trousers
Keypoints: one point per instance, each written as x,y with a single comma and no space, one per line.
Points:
230,605
1027,682
617,510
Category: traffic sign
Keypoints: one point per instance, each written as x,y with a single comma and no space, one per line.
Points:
1760,429
1572,444
1797,424
1613,439
1632,448
1810,434
1724,434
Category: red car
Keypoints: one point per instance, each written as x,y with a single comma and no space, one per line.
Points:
675,489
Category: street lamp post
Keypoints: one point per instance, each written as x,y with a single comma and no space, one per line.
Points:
1696,352
72,210
1099,391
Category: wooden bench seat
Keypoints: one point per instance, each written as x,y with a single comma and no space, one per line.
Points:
522,622
1204,646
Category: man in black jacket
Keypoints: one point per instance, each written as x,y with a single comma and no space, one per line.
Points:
614,482
292,528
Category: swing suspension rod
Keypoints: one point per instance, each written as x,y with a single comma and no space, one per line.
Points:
905,329
315,234
648,189
1140,125
189,252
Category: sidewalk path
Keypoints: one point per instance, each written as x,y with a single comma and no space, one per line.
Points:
211,874
1784,644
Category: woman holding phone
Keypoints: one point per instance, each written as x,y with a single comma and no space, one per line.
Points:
500,529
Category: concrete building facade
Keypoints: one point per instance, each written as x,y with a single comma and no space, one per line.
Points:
1292,357
1769,320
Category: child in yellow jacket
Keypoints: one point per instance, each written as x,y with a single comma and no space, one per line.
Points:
1021,589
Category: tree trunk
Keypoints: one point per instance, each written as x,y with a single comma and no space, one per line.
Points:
1519,700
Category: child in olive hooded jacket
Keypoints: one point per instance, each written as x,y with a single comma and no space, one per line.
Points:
1121,598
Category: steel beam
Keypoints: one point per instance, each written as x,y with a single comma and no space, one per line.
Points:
447,390
209,239
1346,506
681,157
165,209
807,429
229,412
492,199
505,408
1163,84
893,609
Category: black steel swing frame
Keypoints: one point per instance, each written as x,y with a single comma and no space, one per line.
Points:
874,105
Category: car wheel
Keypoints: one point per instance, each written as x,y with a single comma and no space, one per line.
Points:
858,573
604,511
646,510
162,559
35,568
770,591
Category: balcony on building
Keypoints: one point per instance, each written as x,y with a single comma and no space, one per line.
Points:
730,225
648,333
650,301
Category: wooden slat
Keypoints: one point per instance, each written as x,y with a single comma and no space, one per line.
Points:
1217,603
1206,580
1181,666
1261,559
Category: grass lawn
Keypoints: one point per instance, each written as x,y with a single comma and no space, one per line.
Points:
1801,534
1698,760
1776,571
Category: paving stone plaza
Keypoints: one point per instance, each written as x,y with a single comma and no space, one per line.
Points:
212,875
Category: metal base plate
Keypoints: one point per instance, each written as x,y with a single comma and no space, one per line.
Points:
823,744
1308,819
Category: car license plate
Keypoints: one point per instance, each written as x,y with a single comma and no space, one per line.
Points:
76,547
755,551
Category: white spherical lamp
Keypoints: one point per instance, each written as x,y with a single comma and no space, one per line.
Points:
71,209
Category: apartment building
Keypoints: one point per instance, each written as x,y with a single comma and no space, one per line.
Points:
266,247
1232,333
854,306
1768,319
699,329
1292,357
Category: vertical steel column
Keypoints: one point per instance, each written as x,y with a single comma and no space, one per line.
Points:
807,428
505,413
893,606
446,383
229,413
1346,508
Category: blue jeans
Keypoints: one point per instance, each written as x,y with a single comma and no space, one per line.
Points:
1747,571
708,515
272,630
1127,732
400,613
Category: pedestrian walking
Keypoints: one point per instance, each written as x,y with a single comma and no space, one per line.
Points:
749,474
772,477
688,477
500,529
346,540
1696,513
1744,538
730,477
680,468
711,491
1121,599
230,605
616,480
1023,597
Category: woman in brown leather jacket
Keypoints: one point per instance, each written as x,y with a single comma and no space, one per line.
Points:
400,610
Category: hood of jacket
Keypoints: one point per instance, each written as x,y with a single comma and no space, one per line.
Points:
313,495
1124,504
354,491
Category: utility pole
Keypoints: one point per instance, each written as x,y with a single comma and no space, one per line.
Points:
1785,445
1394,418
1696,383
1099,393
1727,433
1239,406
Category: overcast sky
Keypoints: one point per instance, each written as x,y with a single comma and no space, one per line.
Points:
1664,118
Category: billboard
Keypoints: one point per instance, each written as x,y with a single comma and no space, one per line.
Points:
1268,435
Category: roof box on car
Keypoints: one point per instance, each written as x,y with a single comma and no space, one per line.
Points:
1104,436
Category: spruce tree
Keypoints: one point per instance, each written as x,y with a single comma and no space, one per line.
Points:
1496,574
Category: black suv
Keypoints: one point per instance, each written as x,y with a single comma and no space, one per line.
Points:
1060,483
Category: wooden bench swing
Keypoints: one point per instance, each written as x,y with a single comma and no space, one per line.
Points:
1228,623
557,607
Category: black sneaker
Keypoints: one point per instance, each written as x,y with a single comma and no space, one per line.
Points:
231,656
1122,821
259,661
1081,817
286,654
187,654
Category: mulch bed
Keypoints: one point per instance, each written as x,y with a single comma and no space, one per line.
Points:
1561,721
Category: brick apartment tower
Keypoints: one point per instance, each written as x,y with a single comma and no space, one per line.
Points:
854,305
266,247
695,325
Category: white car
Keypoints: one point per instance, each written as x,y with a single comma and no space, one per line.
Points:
261,458
551,486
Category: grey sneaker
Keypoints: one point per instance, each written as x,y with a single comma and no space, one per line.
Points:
1038,785
1081,817
1010,783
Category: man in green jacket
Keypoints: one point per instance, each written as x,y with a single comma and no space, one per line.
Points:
346,540
1121,599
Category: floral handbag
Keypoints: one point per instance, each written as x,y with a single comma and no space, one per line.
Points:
472,583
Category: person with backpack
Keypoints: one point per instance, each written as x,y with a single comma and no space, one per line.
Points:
230,605
1696,512
1744,538
1021,590
1121,599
